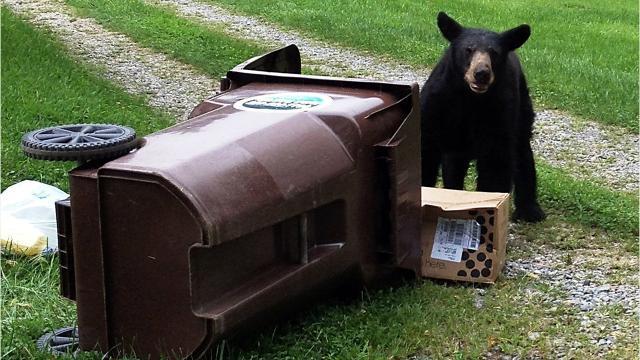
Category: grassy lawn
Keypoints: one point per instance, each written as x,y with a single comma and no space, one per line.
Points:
42,86
30,304
590,205
423,320
582,55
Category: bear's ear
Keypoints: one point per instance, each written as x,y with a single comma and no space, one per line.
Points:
449,28
514,38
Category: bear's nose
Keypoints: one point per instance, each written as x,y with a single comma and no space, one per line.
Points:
482,75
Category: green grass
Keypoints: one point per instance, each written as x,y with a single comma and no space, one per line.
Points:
30,304
41,86
433,319
425,319
582,55
422,318
590,205
207,48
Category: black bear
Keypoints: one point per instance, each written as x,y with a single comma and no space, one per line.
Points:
476,105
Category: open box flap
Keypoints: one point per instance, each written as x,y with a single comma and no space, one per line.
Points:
450,200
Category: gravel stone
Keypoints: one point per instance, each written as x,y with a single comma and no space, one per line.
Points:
585,287
604,154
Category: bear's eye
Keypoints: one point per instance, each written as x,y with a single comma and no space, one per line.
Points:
492,51
468,50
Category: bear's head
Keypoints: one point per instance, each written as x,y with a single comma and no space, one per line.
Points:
479,54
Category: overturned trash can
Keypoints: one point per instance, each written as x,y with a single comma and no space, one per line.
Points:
278,189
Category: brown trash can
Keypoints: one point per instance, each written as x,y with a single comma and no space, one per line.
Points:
280,188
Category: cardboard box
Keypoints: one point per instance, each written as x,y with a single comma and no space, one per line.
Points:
453,224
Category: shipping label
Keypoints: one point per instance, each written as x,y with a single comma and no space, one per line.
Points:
452,236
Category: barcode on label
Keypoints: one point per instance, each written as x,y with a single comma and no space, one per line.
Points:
474,236
458,232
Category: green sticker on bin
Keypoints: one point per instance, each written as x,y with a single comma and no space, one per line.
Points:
283,102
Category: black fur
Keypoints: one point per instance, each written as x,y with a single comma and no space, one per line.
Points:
494,127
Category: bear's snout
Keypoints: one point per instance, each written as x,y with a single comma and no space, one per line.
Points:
483,76
479,75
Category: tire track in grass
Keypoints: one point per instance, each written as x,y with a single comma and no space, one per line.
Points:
588,150
170,85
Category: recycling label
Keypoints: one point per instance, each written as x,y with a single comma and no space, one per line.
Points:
284,102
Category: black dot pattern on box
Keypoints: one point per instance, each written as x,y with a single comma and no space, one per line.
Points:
479,263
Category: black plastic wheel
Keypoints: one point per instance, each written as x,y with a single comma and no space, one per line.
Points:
80,142
59,342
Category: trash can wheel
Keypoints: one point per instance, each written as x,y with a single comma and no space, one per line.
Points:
80,142
59,342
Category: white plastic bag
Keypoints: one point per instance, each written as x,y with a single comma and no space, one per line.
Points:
28,222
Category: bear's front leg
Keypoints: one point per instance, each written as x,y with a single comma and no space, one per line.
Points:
495,171
527,207
454,170
431,159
